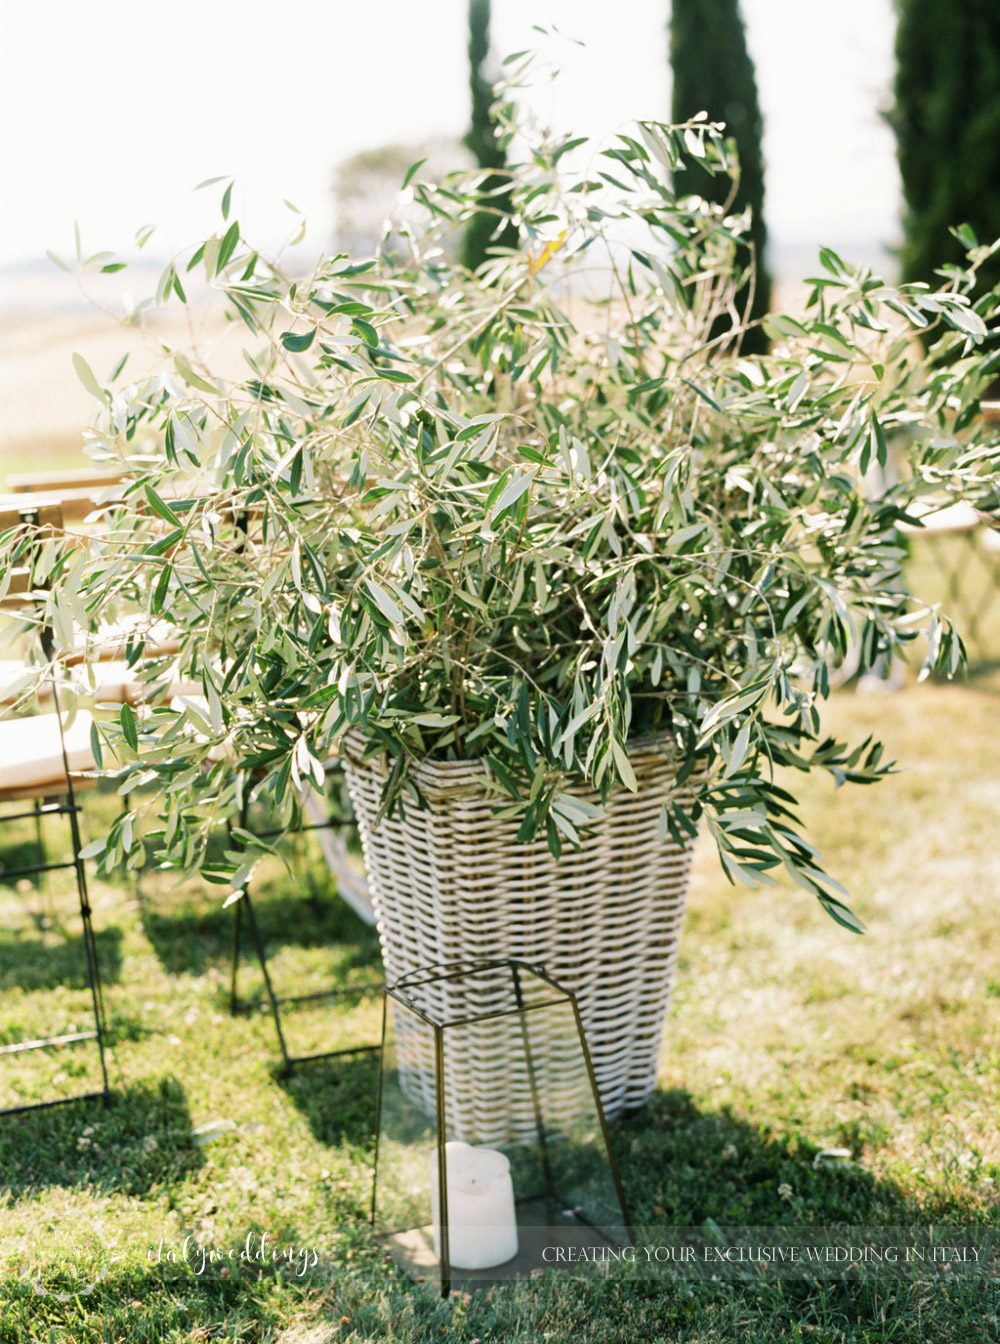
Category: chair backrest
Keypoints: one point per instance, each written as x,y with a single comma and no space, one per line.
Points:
56,481
45,513
46,516
76,503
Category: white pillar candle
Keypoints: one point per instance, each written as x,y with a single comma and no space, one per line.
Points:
482,1226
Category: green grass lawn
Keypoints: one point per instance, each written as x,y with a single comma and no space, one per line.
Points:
787,1035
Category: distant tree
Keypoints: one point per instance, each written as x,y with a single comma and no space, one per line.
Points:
713,73
947,124
366,188
481,231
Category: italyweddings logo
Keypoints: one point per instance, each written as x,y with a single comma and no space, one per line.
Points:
64,1254
256,1250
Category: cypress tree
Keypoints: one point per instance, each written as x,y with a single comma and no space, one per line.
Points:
947,124
713,72
482,141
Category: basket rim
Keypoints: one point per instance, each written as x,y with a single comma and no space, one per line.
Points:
447,778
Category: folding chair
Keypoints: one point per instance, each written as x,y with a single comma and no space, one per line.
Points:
40,762
353,891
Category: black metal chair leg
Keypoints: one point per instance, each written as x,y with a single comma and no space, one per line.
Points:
246,902
39,844
97,998
268,987
90,943
234,998
274,1002
71,809
46,914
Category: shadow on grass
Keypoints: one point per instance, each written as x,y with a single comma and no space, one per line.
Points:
681,1165
142,1142
18,854
189,935
35,961
337,1097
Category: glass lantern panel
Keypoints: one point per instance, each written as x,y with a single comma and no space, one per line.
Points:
570,1147
407,1123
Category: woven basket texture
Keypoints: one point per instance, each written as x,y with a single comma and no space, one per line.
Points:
450,883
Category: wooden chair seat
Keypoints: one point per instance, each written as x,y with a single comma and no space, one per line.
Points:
160,639
31,756
15,676
116,683
939,518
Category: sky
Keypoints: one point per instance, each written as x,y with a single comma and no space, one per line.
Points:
112,111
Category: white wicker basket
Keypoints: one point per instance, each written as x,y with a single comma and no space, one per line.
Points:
451,883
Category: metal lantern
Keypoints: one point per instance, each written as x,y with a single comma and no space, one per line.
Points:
470,1185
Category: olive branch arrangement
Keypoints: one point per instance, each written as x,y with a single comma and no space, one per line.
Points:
528,516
